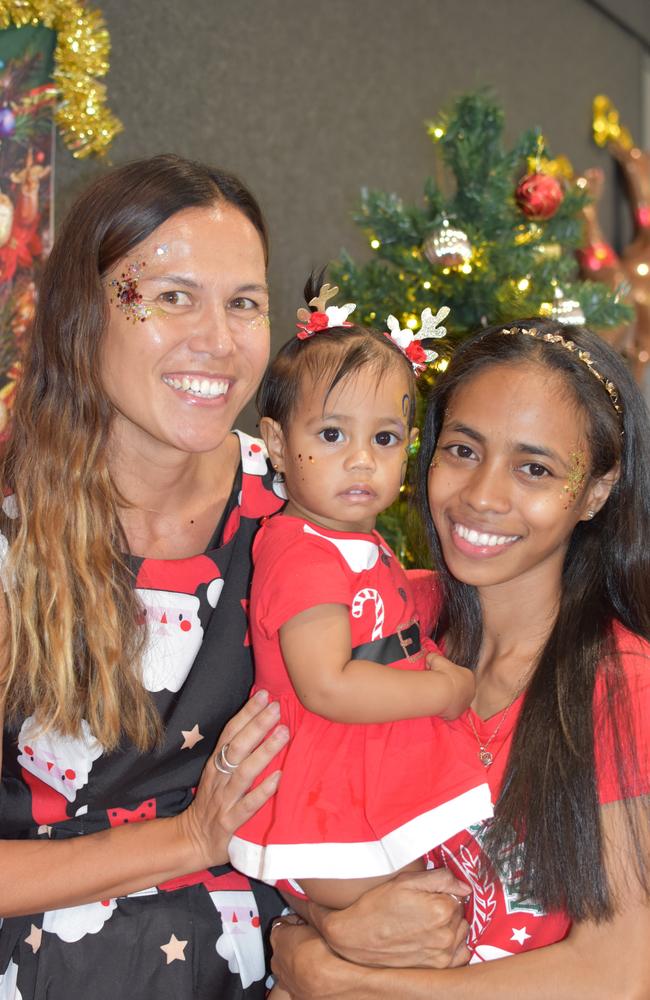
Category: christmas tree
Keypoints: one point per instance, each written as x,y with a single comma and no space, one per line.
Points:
494,239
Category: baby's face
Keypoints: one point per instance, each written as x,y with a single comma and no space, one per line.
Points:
344,454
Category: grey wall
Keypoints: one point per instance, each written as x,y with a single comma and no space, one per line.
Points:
309,101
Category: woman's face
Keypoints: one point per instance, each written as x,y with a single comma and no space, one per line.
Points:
187,338
510,477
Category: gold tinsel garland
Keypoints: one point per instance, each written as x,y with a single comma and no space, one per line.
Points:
81,54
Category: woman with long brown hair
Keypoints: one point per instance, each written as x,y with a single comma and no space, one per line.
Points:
126,529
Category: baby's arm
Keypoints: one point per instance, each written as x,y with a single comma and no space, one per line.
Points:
316,646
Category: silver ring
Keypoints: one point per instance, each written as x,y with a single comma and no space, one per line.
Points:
222,763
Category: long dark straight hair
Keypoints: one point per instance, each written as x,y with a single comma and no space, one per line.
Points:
74,635
549,795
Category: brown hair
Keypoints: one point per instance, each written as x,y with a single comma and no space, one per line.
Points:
74,633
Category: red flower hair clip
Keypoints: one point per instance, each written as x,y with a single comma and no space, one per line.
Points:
324,316
408,340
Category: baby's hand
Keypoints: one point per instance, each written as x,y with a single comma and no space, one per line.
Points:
460,682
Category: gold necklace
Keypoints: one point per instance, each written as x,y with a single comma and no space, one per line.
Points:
485,755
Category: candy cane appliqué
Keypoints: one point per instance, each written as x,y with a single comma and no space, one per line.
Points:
357,609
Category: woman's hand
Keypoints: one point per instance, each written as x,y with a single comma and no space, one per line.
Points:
307,969
223,800
414,920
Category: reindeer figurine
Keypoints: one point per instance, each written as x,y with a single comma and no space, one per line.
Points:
599,261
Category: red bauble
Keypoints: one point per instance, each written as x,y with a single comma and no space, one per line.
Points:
539,195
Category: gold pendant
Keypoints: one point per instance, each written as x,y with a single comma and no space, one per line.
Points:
485,757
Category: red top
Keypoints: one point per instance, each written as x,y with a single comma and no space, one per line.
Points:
501,923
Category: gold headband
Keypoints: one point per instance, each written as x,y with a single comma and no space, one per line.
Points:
584,356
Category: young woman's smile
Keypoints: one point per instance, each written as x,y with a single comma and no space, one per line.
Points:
509,479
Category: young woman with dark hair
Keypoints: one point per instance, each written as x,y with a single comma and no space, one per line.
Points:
535,469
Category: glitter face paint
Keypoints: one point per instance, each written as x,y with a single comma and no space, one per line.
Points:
576,475
262,320
127,297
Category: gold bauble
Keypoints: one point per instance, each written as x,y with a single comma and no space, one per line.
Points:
447,247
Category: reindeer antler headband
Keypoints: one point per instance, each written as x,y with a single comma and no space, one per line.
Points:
409,341
323,317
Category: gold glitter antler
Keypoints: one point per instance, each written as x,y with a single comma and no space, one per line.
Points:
326,293
606,124
320,301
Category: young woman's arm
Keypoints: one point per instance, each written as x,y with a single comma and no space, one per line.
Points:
316,647
594,962
38,875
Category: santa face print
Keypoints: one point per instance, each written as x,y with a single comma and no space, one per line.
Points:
343,455
173,619
509,480
187,337
62,762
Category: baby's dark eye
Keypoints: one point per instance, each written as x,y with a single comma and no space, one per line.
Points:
330,434
385,438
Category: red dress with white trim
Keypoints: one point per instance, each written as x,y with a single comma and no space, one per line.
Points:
355,800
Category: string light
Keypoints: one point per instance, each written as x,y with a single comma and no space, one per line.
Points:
523,284
375,244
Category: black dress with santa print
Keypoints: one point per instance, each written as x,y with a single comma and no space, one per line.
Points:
201,936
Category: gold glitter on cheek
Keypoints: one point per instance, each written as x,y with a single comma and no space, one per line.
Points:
263,320
435,462
576,475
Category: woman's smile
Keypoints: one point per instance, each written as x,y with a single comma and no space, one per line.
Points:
197,385
480,543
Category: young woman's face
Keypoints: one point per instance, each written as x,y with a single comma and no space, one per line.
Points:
187,338
509,479
344,454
